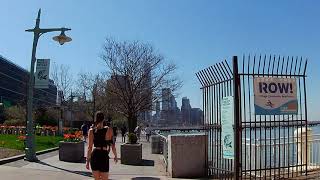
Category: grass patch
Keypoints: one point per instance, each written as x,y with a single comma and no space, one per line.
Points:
42,142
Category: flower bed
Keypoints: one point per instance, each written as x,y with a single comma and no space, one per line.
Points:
73,137
39,130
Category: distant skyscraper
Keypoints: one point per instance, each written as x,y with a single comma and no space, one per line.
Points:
196,116
158,108
156,116
186,111
185,103
166,96
171,115
147,92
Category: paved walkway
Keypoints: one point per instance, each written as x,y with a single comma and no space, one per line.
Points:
49,167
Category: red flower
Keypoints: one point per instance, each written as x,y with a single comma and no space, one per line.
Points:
22,138
76,137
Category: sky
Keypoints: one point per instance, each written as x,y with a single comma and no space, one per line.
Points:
192,34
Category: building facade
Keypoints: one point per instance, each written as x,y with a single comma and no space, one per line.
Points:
14,87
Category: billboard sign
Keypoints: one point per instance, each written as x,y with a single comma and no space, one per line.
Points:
275,96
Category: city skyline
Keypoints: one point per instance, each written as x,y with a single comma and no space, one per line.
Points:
168,113
217,32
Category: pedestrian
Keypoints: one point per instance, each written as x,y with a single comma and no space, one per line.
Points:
99,144
148,133
115,133
84,129
123,133
137,130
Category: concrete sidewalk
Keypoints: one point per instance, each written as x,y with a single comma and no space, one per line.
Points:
49,167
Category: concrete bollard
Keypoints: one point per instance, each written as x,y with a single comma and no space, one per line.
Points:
186,155
301,135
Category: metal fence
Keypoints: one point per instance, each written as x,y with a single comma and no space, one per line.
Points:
261,141
217,82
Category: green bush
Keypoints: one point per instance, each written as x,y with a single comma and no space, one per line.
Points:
46,117
132,138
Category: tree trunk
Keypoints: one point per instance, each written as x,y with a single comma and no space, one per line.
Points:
132,123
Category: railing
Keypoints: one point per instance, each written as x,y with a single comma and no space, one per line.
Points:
281,152
315,149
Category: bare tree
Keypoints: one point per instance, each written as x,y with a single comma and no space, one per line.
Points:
62,77
85,83
92,89
137,76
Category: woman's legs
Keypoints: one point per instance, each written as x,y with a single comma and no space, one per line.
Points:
104,175
96,175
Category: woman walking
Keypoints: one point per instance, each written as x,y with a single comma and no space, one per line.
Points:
99,144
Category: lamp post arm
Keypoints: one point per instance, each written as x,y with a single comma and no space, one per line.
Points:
45,30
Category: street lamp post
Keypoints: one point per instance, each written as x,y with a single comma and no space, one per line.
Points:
37,32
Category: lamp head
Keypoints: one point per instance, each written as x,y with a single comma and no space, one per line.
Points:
62,38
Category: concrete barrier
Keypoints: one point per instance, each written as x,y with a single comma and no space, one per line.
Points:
186,155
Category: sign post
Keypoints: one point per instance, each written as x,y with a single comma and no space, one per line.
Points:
42,74
227,132
275,96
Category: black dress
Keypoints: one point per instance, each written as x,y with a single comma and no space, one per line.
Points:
99,157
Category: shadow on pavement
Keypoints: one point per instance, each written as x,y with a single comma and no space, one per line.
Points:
83,173
146,162
145,178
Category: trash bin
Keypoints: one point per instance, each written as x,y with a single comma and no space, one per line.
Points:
155,144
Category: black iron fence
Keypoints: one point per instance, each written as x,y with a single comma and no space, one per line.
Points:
265,146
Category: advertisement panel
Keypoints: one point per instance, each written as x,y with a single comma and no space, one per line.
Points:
275,96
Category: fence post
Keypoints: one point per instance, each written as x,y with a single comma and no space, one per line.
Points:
237,118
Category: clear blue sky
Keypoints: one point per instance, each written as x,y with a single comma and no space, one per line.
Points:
193,34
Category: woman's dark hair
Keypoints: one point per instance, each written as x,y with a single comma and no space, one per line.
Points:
98,118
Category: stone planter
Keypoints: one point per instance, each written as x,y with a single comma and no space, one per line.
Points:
71,151
131,154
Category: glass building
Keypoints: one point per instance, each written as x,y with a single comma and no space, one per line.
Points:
14,87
